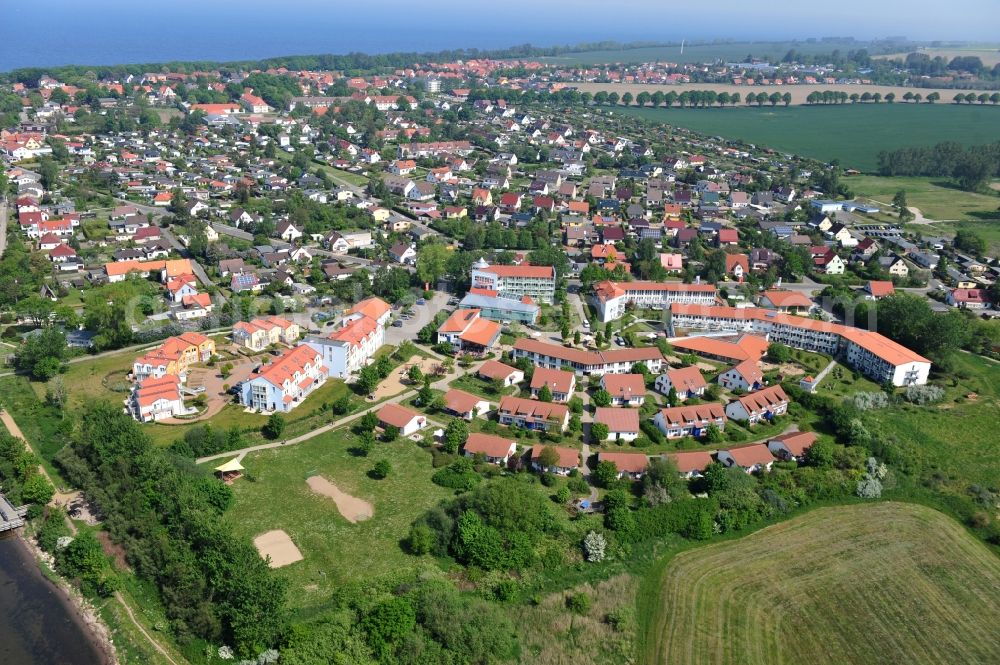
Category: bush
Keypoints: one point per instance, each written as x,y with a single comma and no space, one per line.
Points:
594,546
923,395
562,495
870,401
578,603
459,475
381,470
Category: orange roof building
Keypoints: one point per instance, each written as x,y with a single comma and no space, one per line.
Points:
285,382
466,330
612,298
496,449
875,355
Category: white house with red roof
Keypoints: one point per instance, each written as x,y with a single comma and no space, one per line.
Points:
969,299
496,449
760,405
685,381
791,446
156,398
285,382
407,420
351,347
756,457
745,376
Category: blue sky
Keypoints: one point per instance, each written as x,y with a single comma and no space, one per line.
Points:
108,31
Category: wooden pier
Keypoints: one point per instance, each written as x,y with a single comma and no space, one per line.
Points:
10,517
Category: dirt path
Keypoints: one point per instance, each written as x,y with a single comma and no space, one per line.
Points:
149,638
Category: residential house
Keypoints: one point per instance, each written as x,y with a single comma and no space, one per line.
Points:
532,414
752,458
496,449
791,446
261,333
491,370
760,405
691,464
465,405
561,384
405,420
878,289
156,398
629,465
622,424
625,389
745,377
285,382
793,302
679,421
685,381
569,459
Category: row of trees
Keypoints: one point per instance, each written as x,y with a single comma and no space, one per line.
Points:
690,98
842,97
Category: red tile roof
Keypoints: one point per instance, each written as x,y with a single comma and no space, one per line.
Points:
625,462
489,445
618,420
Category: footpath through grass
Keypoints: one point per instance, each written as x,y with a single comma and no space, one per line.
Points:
869,583
334,550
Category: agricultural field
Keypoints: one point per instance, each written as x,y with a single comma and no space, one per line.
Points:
729,52
852,134
876,583
275,495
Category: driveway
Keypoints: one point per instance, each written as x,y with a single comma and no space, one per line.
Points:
212,380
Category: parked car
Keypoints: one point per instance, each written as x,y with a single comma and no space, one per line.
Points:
398,323
421,301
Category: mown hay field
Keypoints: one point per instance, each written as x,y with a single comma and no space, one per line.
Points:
874,583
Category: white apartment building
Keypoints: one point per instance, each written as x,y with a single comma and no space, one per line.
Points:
536,282
612,298
872,354
284,383
614,361
348,349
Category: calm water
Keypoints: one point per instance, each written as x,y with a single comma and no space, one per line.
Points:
37,627
114,31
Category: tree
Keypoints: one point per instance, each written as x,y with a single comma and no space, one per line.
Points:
275,426
414,374
899,202
368,379
778,352
42,355
601,398
969,241
605,474
432,263
455,435
548,457
390,433
598,432
545,394
381,470
627,99
713,434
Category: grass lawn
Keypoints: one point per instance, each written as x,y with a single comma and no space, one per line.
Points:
936,197
335,550
470,383
872,583
852,134
958,437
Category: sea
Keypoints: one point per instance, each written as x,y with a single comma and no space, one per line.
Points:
102,32
38,626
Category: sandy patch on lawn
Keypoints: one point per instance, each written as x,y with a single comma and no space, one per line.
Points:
394,383
279,546
351,507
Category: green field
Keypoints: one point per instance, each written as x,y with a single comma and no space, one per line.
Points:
875,583
852,134
334,550
735,51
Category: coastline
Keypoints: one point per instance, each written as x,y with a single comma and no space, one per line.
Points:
78,609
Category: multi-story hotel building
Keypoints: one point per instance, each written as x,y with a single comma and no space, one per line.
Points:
611,298
874,355
284,383
536,282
